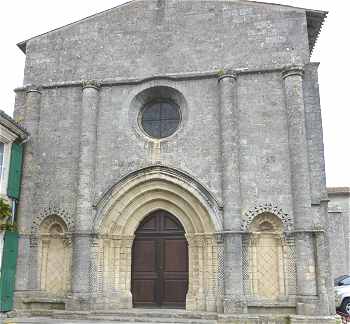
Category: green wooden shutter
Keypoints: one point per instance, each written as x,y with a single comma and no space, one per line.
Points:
8,271
14,181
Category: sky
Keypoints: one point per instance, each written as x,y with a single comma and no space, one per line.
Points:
21,20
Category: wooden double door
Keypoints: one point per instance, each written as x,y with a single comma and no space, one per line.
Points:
160,262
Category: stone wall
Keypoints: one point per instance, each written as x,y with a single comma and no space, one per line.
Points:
169,36
339,215
250,133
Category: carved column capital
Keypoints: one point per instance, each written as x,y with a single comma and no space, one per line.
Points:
292,70
127,241
91,84
227,74
32,88
219,237
67,240
94,241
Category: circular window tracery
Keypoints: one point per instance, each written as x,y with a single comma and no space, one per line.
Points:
160,119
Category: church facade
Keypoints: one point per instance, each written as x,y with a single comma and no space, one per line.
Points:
175,161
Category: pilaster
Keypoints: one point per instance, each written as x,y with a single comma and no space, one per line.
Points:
31,157
234,300
298,154
324,273
86,178
34,273
26,208
301,190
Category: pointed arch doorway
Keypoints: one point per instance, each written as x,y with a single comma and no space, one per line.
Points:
160,262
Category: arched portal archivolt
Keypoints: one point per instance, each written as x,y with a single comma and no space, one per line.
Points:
127,204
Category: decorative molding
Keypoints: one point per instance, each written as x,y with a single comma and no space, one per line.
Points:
91,84
53,210
34,241
32,88
292,70
227,73
251,214
162,171
195,75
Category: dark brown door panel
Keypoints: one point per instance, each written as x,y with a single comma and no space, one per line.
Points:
160,262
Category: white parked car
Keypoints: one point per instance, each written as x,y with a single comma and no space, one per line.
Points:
342,293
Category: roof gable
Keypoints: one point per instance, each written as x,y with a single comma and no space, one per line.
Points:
315,20
160,37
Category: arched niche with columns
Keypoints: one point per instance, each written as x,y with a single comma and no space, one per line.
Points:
270,253
124,207
55,255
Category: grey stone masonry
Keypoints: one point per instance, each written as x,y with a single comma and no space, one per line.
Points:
32,120
339,229
300,181
243,171
84,215
27,260
233,296
300,177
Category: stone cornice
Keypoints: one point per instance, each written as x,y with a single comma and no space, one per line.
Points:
196,75
339,191
293,70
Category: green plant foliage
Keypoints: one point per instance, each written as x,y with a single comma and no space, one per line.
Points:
8,227
5,209
5,215
221,72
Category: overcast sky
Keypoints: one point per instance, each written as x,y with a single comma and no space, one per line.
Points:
21,20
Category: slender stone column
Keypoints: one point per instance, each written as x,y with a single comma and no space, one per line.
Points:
95,245
32,115
211,272
35,271
233,281
125,269
220,273
84,214
300,183
31,158
27,262
191,297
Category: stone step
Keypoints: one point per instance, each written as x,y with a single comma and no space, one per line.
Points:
121,316
106,320
165,313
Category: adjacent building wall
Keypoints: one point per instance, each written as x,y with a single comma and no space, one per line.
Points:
339,220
